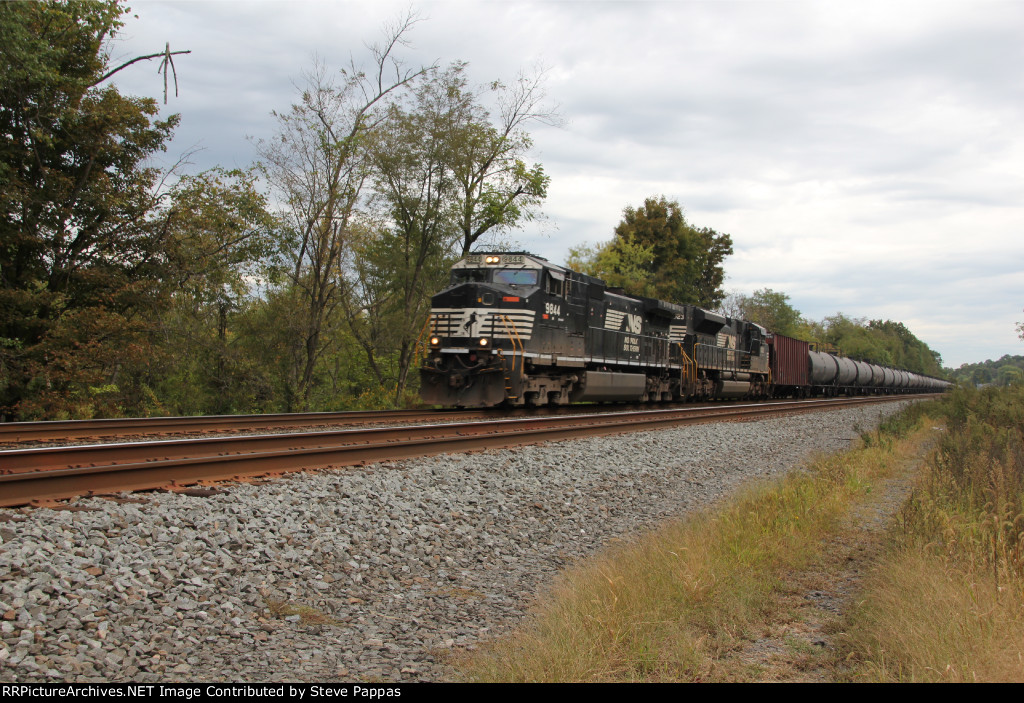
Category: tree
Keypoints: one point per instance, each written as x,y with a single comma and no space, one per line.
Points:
407,250
657,253
904,346
79,258
771,310
1007,369
495,189
220,243
620,264
318,165
443,177
855,339
886,343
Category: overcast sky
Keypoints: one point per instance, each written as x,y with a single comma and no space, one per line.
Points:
866,157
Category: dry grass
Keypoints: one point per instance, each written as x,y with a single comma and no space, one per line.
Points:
308,615
670,605
927,620
948,603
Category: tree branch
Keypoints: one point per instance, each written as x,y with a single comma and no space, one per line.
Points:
166,55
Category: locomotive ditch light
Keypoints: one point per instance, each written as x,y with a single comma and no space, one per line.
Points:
435,341
483,342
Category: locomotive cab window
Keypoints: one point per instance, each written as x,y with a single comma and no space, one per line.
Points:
555,283
469,276
515,277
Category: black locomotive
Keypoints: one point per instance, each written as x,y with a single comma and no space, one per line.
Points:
514,329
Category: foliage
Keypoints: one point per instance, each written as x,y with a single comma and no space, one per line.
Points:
657,253
770,309
494,188
126,290
388,175
1001,372
80,263
221,245
886,343
623,265
318,165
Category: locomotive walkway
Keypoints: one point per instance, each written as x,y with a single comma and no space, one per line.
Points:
38,475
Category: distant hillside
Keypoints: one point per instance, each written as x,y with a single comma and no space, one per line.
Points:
1006,370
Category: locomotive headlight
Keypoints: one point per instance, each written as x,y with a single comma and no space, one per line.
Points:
492,259
484,342
435,341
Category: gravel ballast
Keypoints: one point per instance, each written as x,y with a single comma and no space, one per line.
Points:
368,574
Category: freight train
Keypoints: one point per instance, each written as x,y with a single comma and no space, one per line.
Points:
513,329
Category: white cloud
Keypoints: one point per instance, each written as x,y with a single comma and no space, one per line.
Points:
865,157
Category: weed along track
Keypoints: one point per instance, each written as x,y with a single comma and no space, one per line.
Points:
381,571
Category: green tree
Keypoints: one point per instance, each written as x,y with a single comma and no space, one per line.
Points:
1009,375
770,309
621,264
79,259
657,253
903,345
495,190
881,342
318,167
853,338
443,177
990,371
221,244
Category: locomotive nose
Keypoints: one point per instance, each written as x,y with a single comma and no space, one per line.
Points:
486,295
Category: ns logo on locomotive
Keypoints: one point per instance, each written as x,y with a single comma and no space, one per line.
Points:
513,329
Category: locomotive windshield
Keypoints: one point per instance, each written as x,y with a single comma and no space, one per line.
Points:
469,276
518,277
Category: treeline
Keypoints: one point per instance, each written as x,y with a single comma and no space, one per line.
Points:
126,290
882,342
1004,371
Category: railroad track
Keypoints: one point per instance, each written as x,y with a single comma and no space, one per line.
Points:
61,430
34,475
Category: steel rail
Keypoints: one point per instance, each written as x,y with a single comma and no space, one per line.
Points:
14,432
31,475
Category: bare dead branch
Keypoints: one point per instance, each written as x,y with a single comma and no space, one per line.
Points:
166,61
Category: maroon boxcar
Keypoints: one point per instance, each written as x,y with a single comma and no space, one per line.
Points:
788,364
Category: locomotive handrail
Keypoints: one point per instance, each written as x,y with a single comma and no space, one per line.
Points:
721,356
513,335
422,348
688,368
